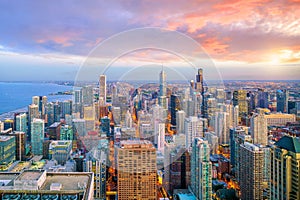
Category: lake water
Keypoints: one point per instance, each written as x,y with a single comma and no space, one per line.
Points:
14,96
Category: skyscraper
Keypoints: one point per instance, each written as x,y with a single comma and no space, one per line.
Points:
201,170
258,128
136,170
175,106
222,127
21,122
162,83
102,87
193,127
7,151
87,95
37,136
180,116
199,81
251,171
285,173
96,162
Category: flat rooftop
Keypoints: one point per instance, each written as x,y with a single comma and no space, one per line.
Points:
30,175
136,144
68,181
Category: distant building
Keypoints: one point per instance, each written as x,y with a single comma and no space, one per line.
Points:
102,87
37,136
285,173
279,119
180,116
54,131
79,127
258,128
136,170
66,132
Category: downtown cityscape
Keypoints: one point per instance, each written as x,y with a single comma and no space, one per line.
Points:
150,100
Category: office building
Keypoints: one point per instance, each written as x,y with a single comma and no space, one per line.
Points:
180,116
285,165
213,141
21,122
102,88
279,119
54,131
193,127
259,128
281,101
89,117
66,132
262,99
175,106
221,127
37,136
7,151
201,170
35,184
87,95
251,171
136,170
79,127
60,151
96,162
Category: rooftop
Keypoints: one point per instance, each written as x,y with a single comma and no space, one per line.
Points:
5,138
30,175
289,143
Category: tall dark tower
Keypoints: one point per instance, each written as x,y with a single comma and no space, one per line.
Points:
199,81
175,106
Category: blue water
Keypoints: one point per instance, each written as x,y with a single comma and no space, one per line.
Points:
18,95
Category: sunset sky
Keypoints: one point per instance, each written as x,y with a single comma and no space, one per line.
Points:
49,40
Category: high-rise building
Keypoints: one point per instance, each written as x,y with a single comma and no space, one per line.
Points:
79,127
175,106
102,87
21,122
251,171
7,151
262,99
87,95
136,168
259,128
193,127
96,162
33,112
105,126
60,151
66,132
37,136
201,170
240,99
213,141
180,116
54,131
89,117
66,108
199,81
116,111
160,134
221,125
162,83
285,173
36,100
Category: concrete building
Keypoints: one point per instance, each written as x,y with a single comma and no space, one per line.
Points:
279,119
136,170
96,162
37,136
102,87
285,165
193,127
21,122
60,151
7,151
39,184
180,116
201,170
251,171
259,128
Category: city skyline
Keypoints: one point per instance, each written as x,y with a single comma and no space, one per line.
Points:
256,40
